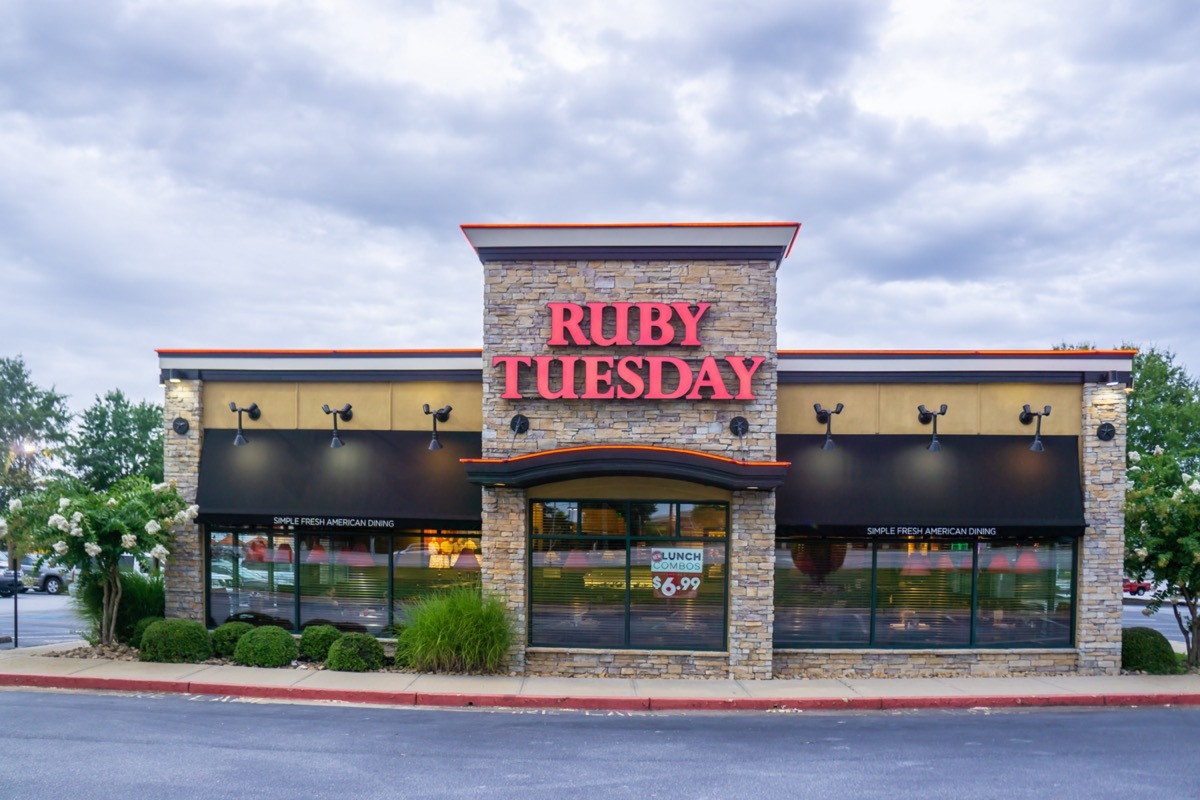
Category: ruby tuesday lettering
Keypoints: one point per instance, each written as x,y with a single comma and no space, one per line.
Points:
629,377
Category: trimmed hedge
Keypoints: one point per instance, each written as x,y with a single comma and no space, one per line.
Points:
267,646
355,652
456,631
316,639
176,641
139,630
1147,650
226,637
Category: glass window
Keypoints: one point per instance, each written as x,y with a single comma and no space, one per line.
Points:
822,593
921,598
1024,594
910,593
637,574
354,582
343,582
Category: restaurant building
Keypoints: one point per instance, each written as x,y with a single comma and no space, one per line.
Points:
653,487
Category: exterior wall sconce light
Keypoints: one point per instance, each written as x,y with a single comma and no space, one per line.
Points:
441,415
1027,416
1112,379
345,413
739,427
826,415
925,416
519,424
252,411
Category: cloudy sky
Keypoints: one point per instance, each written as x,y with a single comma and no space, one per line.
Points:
256,174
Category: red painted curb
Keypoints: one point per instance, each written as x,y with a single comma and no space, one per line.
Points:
452,700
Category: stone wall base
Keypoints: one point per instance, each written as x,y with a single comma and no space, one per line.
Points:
925,663
554,662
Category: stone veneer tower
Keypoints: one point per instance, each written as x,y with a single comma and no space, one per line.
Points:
732,267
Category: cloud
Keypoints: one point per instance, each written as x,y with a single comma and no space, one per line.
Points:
276,174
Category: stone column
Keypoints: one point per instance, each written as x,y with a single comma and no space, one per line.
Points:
752,586
503,563
1102,550
184,573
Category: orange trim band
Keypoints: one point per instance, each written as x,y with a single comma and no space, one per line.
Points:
592,448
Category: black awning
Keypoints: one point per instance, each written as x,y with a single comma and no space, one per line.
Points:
889,481
599,461
377,476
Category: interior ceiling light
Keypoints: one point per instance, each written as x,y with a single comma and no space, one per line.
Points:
346,414
925,416
825,415
440,415
252,411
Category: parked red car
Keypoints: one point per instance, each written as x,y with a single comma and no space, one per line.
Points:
1138,588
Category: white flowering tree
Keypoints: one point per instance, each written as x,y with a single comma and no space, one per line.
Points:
92,530
1162,536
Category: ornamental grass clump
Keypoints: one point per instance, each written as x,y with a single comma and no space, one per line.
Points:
457,631
267,646
226,637
316,639
176,641
1147,650
355,652
141,596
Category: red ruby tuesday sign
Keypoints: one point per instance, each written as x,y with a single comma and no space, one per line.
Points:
606,377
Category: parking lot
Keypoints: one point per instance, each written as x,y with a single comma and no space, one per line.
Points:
42,619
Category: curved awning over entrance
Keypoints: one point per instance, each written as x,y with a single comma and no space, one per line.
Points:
602,461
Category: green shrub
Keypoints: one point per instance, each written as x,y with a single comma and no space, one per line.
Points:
355,652
226,637
141,596
176,641
139,630
316,639
267,646
457,631
1147,650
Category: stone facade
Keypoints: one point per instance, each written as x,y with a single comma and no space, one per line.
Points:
1102,550
963,663
184,574
740,322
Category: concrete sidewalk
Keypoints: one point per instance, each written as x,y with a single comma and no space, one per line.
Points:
28,668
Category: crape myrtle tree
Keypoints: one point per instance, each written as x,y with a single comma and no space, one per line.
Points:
1162,536
92,530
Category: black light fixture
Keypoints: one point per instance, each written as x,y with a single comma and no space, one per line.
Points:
826,415
252,411
519,424
739,427
1027,416
1112,379
346,414
925,416
441,415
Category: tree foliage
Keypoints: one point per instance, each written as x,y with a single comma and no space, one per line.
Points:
1164,408
33,425
117,439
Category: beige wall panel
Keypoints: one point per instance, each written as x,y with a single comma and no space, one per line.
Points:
898,407
860,415
370,402
276,400
628,489
465,397
1000,408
